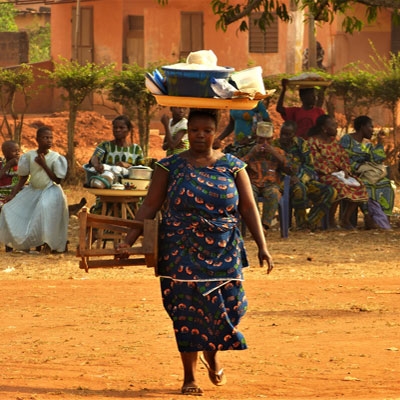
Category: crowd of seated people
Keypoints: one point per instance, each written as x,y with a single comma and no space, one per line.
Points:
325,171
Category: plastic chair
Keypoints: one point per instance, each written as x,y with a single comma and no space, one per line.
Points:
284,208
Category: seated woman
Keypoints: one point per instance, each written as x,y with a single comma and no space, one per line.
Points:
37,214
117,152
332,164
116,155
361,152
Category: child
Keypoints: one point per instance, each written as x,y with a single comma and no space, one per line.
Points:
8,168
37,214
304,116
176,138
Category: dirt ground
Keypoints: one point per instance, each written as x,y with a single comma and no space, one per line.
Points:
324,324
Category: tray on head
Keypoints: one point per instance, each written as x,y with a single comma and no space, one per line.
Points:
307,83
206,102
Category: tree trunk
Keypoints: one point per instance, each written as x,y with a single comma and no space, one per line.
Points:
71,175
141,116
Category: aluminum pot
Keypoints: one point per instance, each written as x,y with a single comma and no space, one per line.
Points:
140,172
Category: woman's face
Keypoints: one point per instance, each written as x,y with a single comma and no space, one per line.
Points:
45,140
367,130
331,127
120,130
201,132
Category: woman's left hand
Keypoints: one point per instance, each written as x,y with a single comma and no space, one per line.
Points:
263,255
123,164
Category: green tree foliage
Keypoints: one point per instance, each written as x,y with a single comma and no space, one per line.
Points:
128,89
387,87
7,17
231,11
355,87
78,82
39,42
14,81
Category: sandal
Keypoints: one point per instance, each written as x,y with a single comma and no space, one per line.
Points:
191,390
217,378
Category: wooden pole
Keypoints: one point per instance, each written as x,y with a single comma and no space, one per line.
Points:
312,46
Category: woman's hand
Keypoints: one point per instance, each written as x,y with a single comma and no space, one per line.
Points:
40,159
9,197
99,168
123,164
122,252
165,120
263,255
217,143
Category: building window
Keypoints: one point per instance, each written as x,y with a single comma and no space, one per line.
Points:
395,39
191,33
263,41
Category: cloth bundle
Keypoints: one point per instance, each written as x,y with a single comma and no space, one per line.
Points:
350,181
372,172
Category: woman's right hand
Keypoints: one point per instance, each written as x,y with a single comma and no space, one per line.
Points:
122,252
217,143
99,168
165,120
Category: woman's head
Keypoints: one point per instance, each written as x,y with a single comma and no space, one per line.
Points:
364,125
287,133
121,126
202,126
204,113
308,97
44,138
324,125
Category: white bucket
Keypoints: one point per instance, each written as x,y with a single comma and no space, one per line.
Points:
249,80
265,129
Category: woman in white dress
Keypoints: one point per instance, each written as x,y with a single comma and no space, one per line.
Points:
37,214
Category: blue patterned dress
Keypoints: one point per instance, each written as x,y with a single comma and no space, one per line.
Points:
202,254
381,191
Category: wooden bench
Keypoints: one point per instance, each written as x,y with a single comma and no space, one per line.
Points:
95,228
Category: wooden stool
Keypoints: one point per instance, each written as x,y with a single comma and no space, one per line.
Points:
115,229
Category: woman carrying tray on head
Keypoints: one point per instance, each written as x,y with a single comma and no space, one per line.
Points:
306,115
201,193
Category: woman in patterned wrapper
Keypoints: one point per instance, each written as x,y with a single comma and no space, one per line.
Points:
117,152
116,155
201,251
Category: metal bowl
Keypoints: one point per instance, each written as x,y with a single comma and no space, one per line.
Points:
99,182
140,172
